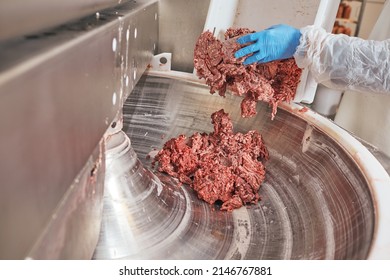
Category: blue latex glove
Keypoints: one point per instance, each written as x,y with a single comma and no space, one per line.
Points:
274,43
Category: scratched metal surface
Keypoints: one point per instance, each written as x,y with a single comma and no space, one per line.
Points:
315,202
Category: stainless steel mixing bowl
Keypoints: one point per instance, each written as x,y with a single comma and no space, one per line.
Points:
322,197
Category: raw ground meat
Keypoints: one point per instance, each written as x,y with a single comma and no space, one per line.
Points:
221,166
271,82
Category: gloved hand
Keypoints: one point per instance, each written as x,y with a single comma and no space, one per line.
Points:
274,43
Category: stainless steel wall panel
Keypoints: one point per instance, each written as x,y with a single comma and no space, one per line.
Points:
59,92
180,23
20,17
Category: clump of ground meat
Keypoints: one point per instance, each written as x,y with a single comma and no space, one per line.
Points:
222,166
271,82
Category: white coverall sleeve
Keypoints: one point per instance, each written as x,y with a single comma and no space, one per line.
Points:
344,62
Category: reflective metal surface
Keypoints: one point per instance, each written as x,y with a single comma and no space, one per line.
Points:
190,16
71,230
316,199
59,92
19,17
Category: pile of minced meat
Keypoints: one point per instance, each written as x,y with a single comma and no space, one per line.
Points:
271,82
222,166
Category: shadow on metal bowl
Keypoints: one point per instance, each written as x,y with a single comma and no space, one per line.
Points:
324,196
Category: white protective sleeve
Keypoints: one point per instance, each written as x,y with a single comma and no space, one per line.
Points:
344,62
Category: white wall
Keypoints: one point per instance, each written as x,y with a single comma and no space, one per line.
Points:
259,15
371,13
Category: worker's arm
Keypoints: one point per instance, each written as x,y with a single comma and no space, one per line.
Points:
337,61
